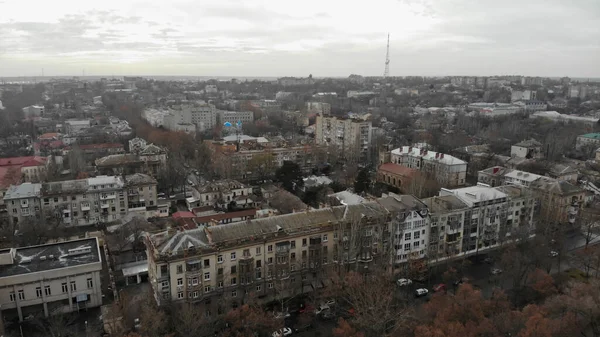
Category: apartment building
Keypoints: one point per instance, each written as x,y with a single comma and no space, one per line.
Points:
33,111
447,215
447,170
220,193
84,202
498,175
50,279
409,227
588,139
530,148
270,258
352,136
258,160
559,201
486,225
396,175
150,159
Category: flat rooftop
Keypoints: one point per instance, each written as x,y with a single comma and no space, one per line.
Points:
35,259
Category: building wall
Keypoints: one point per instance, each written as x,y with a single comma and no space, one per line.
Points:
58,300
352,137
584,141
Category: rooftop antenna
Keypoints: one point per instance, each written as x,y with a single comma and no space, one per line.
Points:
386,72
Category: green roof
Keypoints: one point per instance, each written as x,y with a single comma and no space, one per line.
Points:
591,135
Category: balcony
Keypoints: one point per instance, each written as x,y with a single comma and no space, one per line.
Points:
315,241
108,196
104,205
85,207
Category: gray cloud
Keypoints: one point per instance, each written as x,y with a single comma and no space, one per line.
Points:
545,37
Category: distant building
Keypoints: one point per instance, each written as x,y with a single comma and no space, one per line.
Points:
245,117
495,109
74,127
559,200
578,91
532,105
527,149
524,95
555,116
449,171
282,95
319,108
588,139
50,279
33,111
211,89
292,81
526,80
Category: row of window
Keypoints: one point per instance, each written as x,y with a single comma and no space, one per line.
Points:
48,290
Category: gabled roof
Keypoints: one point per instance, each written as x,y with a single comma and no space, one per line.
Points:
398,169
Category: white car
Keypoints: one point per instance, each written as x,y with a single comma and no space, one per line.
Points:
322,308
283,332
553,253
279,315
421,292
496,271
403,282
330,302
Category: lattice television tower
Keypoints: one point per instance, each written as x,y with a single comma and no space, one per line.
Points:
386,72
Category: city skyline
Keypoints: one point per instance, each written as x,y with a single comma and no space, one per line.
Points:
272,39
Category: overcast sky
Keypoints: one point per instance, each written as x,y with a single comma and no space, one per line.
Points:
297,38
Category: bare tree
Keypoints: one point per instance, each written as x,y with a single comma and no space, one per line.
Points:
58,325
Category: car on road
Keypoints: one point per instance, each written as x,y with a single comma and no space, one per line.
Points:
282,332
307,309
321,309
421,292
279,315
553,253
439,287
303,327
330,302
496,271
403,282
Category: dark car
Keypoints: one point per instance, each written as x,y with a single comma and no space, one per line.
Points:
303,327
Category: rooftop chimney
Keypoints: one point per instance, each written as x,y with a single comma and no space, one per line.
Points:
496,169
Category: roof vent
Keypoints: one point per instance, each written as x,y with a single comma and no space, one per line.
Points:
279,228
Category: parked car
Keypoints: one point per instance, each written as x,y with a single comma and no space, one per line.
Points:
553,253
439,287
283,332
307,309
327,315
279,315
330,302
488,260
403,282
421,292
322,308
496,271
304,327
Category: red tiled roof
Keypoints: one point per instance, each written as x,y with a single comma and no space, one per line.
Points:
20,161
54,144
398,169
183,214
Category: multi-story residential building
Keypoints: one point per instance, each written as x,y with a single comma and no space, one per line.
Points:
150,159
257,160
74,127
447,170
522,95
409,228
50,279
578,91
559,201
33,111
220,193
527,80
232,117
521,210
447,215
532,105
563,172
271,258
319,108
85,201
498,175
589,139
527,149
488,214
352,136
